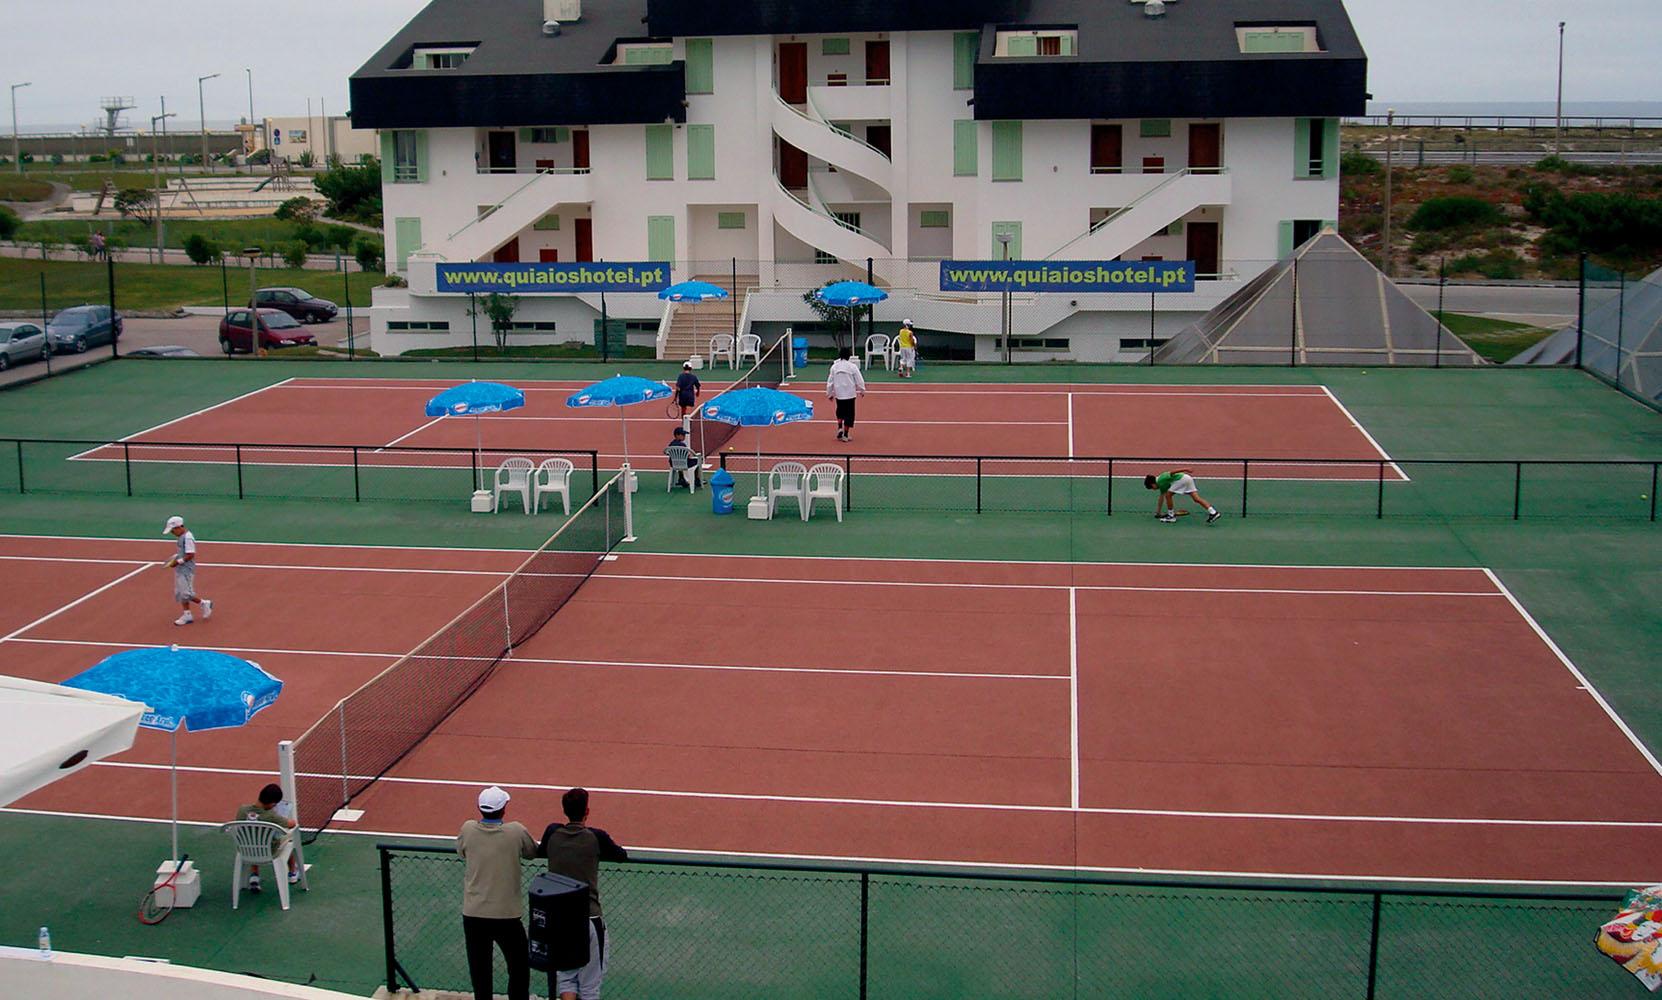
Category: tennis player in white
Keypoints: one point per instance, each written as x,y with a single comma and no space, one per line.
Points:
183,565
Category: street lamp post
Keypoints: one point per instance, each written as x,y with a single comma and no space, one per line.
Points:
1004,298
202,108
253,130
1385,249
156,164
1558,130
17,156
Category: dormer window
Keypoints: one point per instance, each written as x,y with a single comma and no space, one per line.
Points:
1277,38
1018,43
644,54
440,57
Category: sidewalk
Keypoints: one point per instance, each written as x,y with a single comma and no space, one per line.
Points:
148,255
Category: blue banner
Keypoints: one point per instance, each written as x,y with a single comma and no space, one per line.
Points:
1067,275
586,276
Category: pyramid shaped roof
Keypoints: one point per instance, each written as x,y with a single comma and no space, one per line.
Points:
1623,320
1325,304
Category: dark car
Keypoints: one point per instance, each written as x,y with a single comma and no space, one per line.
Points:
20,342
80,327
297,302
277,329
163,351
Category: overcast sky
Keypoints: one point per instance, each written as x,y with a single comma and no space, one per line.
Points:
77,51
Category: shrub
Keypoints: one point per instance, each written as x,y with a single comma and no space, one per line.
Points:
139,203
9,222
1459,174
353,192
310,235
339,237
1357,163
368,254
1429,242
1454,212
1556,164
57,159
200,249
297,210
1496,265
307,159
295,254
395,281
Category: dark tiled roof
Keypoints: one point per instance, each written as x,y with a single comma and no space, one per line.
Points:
509,37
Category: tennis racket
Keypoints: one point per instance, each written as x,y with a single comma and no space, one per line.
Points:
673,409
158,902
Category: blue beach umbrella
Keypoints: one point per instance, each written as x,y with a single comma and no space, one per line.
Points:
471,399
850,294
693,291
193,689
620,391
758,406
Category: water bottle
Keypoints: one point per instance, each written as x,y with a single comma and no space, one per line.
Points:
45,943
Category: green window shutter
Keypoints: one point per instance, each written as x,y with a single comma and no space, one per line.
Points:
407,236
644,56
965,161
1154,128
1006,151
729,220
1014,229
833,47
934,219
1330,148
562,134
1284,240
1301,147
547,224
701,74
388,152
660,152
701,152
660,237
1175,229
966,48
421,156
526,136
1273,41
1021,45
1067,45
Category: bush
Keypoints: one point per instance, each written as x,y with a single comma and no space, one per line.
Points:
9,222
1556,164
307,159
353,192
339,237
139,203
314,238
1459,174
1454,212
200,249
57,159
1496,265
1622,225
297,210
1356,163
295,254
368,254
395,281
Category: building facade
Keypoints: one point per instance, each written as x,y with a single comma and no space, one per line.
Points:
773,146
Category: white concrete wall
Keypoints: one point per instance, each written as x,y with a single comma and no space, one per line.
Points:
25,976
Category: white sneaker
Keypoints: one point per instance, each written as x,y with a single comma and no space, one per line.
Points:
184,619
207,609
253,883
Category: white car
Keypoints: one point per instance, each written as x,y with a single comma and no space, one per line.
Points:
20,342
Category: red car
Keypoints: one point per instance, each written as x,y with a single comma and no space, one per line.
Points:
277,329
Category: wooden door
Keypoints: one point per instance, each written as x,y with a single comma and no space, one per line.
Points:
502,152
793,166
548,255
1203,246
793,72
583,232
1205,146
580,148
877,64
507,253
880,138
1107,149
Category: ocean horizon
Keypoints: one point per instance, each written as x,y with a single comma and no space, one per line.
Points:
1475,109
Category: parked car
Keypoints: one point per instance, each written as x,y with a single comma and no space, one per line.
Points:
277,329
163,351
297,302
20,342
80,327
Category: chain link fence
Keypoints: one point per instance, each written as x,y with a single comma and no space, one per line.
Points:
691,929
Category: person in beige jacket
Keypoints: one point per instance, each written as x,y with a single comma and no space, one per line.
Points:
492,900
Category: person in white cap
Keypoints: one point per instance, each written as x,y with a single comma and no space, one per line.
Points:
907,342
183,565
491,900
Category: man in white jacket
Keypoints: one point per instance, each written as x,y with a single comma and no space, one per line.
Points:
844,384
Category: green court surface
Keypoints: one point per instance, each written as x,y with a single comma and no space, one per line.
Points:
1583,559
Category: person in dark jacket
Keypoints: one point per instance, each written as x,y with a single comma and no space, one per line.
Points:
575,849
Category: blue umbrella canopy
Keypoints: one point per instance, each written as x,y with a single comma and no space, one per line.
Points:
850,293
758,406
693,291
471,398
195,689
619,390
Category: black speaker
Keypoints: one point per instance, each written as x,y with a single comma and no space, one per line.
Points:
559,932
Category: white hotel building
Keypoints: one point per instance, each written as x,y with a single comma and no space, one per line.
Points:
773,145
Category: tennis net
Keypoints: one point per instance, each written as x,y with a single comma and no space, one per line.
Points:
771,371
373,728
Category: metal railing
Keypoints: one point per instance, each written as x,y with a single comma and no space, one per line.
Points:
698,927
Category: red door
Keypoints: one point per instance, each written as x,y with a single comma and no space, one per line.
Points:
1205,146
580,148
507,253
793,72
584,233
1203,246
1107,149
793,166
548,255
877,64
880,138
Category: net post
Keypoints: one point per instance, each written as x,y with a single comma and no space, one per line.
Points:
628,505
1517,489
507,619
1379,506
345,777
239,473
357,490
285,781
127,465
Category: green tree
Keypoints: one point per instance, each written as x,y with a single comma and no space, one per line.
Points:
368,253
200,249
353,192
300,209
295,254
499,309
9,222
136,203
836,318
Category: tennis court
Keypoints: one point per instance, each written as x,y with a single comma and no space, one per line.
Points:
1390,723
1274,425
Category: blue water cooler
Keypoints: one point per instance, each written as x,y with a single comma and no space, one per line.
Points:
799,352
721,492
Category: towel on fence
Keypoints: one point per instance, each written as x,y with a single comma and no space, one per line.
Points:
1634,938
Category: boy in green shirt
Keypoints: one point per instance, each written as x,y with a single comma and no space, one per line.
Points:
266,811
1171,483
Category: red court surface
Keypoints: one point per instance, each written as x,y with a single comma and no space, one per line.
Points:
1289,721
1273,425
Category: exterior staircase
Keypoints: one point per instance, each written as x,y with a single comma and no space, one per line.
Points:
692,324
1170,198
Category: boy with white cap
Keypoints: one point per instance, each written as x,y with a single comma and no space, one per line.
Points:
183,565
907,342
491,897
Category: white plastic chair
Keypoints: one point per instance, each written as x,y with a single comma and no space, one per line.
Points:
683,462
788,481
879,343
721,346
825,482
750,346
261,843
552,476
512,476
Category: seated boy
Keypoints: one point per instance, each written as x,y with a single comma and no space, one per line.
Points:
686,457
269,810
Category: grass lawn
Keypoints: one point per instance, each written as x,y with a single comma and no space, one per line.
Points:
158,286
234,233
523,351
23,188
1497,340
93,176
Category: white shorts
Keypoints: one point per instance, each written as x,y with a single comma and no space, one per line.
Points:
184,582
1184,484
908,357
585,982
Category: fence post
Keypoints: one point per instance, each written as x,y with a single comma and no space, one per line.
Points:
865,907
1580,306
127,465
1517,488
1653,469
357,491
1373,948
473,472
978,484
386,918
46,353
109,270
21,486
1246,474
848,483
1379,509
1110,487
594,472
239,472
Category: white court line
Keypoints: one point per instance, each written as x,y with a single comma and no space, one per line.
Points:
84,597
301,567
1070,425
914,388
262,650
1358,425
410,434
287,545
1581,678
1073,691
944,866
193,413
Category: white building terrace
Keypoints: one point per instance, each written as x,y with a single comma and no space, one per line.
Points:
773,145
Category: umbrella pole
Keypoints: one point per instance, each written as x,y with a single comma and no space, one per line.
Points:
173,740
624,423
478,446
759,464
